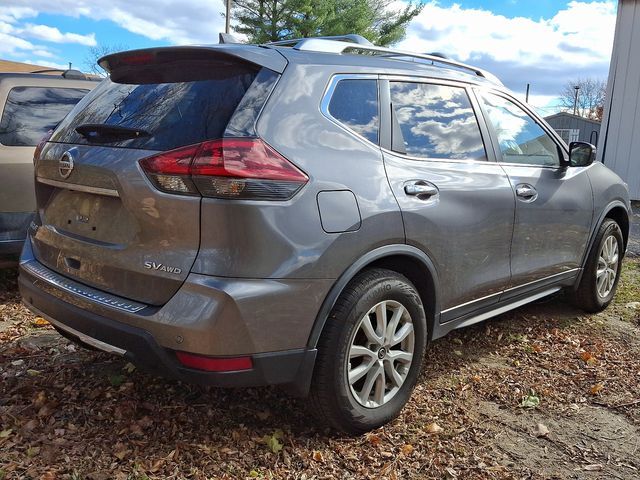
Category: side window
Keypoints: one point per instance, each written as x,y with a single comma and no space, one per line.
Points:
30,112
521,139
436,121
354,103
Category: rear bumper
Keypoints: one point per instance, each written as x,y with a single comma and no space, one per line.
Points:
141,336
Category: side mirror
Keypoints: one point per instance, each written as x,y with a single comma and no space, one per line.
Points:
581,154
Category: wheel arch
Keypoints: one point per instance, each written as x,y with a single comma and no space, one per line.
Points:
404,259
617,211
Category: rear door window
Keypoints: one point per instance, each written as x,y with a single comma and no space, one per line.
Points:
172,113
30,112
436,121
354,103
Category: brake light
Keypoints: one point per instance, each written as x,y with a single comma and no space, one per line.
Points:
214,364
41,144
240,168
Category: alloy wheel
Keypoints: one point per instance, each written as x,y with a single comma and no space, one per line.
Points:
380,354
607,266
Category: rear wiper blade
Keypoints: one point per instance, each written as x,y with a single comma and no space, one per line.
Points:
103,133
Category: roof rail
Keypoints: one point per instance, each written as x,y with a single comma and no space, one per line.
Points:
350,38
328,45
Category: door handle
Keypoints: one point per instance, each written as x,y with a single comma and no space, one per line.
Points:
526,192
421,189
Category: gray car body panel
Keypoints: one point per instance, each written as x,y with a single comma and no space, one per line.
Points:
266,275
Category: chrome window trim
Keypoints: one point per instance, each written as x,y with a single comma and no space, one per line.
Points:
445,83
79,188
326,100
56,280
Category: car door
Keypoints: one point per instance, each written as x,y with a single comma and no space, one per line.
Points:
456,201
554,204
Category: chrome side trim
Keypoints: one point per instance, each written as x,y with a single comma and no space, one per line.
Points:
565,273
506,308
472,302
105,347
58,281
79,188
540,280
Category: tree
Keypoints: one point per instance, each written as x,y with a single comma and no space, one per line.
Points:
272,20
97,52
591,93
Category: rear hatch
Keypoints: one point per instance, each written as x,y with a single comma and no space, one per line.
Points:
101,220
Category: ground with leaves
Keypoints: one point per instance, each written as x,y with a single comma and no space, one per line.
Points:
542,392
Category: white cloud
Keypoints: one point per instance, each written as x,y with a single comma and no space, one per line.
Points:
575,42
52,34
172,21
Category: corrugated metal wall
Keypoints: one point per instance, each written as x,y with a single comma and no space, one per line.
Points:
620,144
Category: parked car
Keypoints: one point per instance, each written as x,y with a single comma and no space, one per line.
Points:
309,213
30,105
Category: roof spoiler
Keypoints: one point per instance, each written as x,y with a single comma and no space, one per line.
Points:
136,59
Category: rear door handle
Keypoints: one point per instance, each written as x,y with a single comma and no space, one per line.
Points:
526,192
421,189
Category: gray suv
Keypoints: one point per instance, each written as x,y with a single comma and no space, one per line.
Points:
311,214
31,104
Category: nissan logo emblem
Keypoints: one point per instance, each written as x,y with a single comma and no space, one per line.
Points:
65,165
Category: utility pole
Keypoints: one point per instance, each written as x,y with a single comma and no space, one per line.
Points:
227,25
575,100
527,95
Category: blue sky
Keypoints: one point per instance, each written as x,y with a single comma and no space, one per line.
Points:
542,42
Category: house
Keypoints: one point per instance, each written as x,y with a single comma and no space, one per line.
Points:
9,66
619,147
574,128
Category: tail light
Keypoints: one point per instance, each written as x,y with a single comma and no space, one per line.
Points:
40,146
231,168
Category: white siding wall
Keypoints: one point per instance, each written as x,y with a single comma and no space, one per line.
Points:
620,144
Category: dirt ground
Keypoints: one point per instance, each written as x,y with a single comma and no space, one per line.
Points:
544,391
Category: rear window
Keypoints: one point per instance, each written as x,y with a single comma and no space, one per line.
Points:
172,113
30,112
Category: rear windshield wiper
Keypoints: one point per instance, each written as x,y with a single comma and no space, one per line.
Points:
103,133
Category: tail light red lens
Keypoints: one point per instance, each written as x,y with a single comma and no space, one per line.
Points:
214,364
240,168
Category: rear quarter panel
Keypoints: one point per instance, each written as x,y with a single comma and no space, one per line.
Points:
286,239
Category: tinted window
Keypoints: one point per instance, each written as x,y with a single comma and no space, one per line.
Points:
437,121
521,139
30,112
173,113
355,104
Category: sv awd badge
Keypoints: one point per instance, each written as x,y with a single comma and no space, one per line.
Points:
162,268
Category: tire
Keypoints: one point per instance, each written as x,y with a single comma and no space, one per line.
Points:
347,407
588,297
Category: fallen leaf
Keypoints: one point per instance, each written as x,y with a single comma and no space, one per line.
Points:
594,467
373,439
317,456
6,433
433,428
530,401
32,373
17,363
273,441
407,449
33,451
48,476
588,358
129,367
542,430
39,322
596,389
